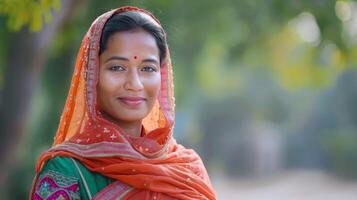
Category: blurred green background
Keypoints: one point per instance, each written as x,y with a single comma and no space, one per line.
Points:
266,90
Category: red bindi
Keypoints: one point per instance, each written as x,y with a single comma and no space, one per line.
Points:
135,57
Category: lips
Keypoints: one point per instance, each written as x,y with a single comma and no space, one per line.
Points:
132,101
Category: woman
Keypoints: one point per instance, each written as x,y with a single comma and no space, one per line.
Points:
114,139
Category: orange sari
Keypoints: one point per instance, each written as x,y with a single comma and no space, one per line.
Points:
154,166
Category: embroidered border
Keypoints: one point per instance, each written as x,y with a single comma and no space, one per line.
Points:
53,185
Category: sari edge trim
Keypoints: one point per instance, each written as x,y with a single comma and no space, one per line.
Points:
125,193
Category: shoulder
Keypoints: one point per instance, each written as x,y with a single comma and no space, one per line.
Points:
57,180
64,165
69,170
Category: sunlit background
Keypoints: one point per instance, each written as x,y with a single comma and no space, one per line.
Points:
266,90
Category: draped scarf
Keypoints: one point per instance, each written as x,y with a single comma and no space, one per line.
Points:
152,166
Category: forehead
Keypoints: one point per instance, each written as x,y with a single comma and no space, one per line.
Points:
136,41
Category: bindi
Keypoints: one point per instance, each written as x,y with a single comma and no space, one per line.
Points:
135,57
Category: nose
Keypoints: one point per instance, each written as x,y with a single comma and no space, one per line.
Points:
133,81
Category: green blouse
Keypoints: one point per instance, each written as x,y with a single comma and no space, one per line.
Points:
68,177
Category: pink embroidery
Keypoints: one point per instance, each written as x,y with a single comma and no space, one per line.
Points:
59,194
53,185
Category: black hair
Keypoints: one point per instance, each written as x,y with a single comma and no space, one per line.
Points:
131,20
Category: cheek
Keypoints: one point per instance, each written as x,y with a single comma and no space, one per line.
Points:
154,85
106,85
101,93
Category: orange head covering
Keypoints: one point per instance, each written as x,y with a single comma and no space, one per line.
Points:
153,163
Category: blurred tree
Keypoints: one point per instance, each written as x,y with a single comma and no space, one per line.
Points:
26,56
327,138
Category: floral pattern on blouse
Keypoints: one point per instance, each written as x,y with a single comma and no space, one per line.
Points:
53,185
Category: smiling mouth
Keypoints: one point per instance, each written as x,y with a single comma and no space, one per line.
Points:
131,101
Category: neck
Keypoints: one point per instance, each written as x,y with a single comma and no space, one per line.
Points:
132,128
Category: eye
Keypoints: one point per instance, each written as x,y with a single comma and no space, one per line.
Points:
149,69
116,68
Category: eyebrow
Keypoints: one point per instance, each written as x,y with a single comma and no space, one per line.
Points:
150,60
116,58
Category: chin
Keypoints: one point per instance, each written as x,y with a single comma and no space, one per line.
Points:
131,117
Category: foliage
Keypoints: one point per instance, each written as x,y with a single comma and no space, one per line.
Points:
28,12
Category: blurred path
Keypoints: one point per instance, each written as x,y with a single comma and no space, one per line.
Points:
292,185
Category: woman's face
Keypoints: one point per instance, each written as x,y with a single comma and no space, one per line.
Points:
129,76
